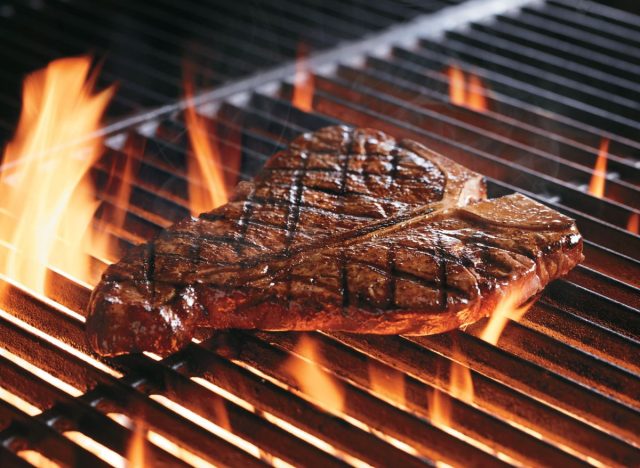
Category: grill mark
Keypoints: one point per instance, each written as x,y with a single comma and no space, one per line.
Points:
339,192
150,268
226,239
247,209
266,201
293,215
391,256
343,256
442,273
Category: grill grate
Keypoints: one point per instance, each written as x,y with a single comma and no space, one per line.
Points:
562,386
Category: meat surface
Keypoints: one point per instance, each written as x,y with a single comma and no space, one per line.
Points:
266,259
421,274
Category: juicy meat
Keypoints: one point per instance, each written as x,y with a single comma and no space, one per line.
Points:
329,181
306,246
420,274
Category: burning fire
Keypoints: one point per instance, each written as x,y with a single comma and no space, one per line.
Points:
136,452
471,94
388,383
596,186
207,186
460,386
510,307
634,223
303,82
315,383
43,179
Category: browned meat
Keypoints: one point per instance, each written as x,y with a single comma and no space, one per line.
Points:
238,266
421,274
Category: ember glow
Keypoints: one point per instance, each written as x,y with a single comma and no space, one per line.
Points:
457,93
470,93
634,223
206,181
476,94
43,179
388,384
303,85
136,452
460,387
315,383
596,186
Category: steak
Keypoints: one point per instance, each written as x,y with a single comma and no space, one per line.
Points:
246,264
430,272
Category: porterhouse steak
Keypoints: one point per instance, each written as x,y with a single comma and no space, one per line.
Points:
347,229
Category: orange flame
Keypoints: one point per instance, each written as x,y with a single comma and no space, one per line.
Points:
476,97
460,387
457,94
315,383
43,180
136,452
118,190
471,95
510,307
596,186
389,384
303,85
206,181
634,223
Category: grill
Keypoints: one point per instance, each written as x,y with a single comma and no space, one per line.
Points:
562,385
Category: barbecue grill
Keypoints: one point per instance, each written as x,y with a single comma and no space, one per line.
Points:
561,387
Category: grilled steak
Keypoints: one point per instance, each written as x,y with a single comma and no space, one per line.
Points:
419,274
237,266
329,181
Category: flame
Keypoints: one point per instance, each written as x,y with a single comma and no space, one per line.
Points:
208,191
457,93
596,186
388,383
303,85
43,181
471,95
315,383
460,387
634,223
510,307
118,187
136,452
476,97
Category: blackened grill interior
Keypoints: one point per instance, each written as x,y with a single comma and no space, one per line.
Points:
562,384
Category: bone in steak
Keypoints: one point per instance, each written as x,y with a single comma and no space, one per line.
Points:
326,191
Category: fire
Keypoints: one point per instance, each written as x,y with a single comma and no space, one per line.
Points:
312,380
476,97
469,93
460,387
118,189
136,452
303,85
457,94
43,179
596,186
634,223
388,383
207,186
510,307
